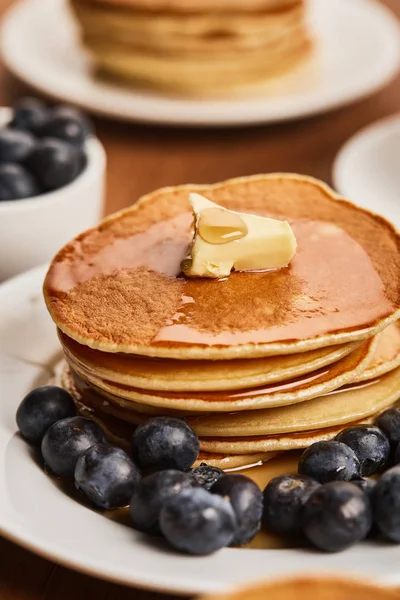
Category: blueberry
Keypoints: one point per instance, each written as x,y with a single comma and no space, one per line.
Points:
54,163
40,409
370,445
366,485
65,128
68,124
106,475
150,495
247,502
389,422
336,516
386,504
329,461
165,443
16,182
30,114
15,146
74,114
198,522
66,440
206,476
284,500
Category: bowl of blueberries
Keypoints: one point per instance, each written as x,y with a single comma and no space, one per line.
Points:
52,176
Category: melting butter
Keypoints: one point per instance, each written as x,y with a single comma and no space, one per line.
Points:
219,226
225,240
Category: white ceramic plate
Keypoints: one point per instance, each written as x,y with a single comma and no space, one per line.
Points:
367,168
35,513
358,52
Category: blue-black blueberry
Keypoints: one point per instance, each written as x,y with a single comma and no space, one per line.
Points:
54,163
330,461
64,125
365,484
386,504
370,445
284,500
336,516
151,493
74,114
16,183
30,114
15,146
41,408
247,502
106,475
206,475
165,443
389,422
66,440
197,522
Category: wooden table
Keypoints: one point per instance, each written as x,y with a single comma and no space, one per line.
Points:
142,158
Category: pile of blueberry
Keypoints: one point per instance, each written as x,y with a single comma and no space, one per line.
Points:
330,502
196,510
41,149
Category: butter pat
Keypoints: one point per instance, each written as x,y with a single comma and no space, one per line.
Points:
225,240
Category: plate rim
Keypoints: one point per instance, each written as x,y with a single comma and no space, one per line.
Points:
352,144
364,89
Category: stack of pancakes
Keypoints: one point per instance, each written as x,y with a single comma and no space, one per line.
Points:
257,363
200,47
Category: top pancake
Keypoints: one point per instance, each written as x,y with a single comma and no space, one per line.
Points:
117,287
187,6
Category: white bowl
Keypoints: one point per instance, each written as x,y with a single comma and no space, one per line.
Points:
33,229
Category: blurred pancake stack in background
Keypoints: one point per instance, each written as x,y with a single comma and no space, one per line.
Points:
194,47
257,363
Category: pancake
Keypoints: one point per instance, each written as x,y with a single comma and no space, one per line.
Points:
387,354
120,432
343,406
117,288
288,392
190,51
328,587
187,6
275,443
234,75
201,33
190,375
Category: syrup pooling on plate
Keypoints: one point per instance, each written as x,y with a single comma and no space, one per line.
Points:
261,474
301,301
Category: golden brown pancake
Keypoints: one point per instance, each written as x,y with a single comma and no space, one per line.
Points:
311,588
345,405
387,354
288,392
199,5
296,433
201,49
184,375
273,443
118,288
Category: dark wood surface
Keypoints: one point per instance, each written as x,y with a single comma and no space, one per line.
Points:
141,159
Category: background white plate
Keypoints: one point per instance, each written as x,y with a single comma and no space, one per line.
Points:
367,168
358,52
35,513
